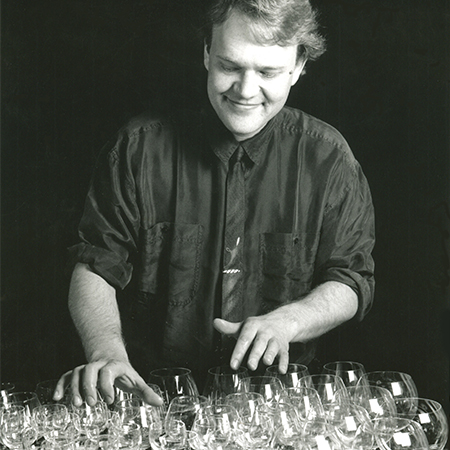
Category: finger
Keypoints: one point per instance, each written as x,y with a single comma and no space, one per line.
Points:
228,328
283,361
77,400
243,343
61,385
107,378
257,351
147,394
89,382
271,352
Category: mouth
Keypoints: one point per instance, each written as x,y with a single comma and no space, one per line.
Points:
242,105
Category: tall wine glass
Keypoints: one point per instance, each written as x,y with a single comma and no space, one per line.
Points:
222,380
173,382
290,378
399,384
349,371
431,417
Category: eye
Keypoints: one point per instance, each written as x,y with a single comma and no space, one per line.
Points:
266,74
228,69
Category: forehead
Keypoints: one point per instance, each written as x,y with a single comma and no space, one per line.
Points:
236,40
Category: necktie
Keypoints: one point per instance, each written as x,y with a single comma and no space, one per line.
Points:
232,292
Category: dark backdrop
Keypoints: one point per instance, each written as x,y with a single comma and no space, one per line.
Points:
73,71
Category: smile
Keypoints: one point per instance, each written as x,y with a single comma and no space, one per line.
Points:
242,106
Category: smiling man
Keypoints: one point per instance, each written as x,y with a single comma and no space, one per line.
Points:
237,235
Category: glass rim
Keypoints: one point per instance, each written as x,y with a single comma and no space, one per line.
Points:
224,370
166,372
345,362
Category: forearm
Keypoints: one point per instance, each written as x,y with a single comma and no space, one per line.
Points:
326,307
94,311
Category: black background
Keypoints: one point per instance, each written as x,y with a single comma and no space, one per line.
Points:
74,71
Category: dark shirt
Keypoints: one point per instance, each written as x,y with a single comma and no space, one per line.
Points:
154,220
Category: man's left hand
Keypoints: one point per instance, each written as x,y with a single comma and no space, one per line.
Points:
267,336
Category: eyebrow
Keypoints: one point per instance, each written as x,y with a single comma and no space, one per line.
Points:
264,68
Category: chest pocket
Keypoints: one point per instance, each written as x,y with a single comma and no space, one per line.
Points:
286,268
170,262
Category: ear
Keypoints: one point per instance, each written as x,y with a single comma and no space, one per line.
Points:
299,66
206,56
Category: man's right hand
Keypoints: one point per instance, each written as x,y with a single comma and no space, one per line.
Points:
84,380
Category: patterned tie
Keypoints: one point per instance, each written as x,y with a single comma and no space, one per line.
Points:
232,291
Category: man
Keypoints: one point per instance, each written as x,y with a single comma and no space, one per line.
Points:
239,234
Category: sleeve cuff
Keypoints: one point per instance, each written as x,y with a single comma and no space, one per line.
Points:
363,286
104,263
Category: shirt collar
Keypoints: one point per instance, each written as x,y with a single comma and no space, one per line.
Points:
224,144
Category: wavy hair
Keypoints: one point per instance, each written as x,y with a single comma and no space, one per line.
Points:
278,22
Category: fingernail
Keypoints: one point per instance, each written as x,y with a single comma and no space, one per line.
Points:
77,400
109,399
235,364
90,400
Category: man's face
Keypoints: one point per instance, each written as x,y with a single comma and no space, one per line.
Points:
248,83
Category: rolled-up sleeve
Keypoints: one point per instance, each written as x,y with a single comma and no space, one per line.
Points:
110,223
348,235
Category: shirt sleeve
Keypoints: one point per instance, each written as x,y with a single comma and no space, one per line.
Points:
348,234
110,223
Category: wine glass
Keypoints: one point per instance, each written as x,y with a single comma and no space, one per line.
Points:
376,400
305,400
216,423
86,417
318,434
45,390
29,400
174,437
326,386
261,430
399,384
49,417
269,387
285,422
17,429
221,381
245,404
290,378
431,417
184,408
399,433
353,427
173,382
349,371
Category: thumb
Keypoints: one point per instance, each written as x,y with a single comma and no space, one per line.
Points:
228,328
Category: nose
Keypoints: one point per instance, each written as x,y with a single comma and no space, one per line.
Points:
247,86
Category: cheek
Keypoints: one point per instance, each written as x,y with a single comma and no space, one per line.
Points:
219,83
